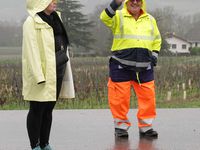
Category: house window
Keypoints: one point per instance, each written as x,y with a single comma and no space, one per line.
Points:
173,46
196,44
184,46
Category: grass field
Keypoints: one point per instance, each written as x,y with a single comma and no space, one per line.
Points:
177,82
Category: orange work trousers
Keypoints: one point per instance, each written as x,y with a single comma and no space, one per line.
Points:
119,101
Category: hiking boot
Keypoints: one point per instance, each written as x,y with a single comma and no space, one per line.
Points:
149,134
37,148
121,133
47,148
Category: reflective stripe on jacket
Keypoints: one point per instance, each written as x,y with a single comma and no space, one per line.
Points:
129,33
134,41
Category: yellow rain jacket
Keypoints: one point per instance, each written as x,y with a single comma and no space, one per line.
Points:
38,58
129,33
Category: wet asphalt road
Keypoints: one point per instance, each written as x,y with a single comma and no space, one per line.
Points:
179,129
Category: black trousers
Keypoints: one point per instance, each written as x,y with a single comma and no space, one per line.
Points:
39,118
39,122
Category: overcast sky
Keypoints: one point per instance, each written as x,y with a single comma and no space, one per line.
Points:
15,9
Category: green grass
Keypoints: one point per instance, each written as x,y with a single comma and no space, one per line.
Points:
91,104
15,106
195,103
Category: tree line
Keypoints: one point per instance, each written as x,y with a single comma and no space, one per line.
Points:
88,35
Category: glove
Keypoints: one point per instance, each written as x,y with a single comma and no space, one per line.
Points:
154,60
115,4
119,2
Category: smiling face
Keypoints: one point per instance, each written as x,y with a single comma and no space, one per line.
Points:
134,6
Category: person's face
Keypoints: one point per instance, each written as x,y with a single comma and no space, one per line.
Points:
52,7
134,6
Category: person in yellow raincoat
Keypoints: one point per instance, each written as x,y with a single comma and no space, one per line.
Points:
46,68
135,49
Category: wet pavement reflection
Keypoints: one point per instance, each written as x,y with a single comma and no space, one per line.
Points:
143,144
121,144
178,129
146,144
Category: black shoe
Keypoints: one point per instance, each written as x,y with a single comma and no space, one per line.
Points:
120,133
149,134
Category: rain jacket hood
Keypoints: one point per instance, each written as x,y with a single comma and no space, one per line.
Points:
35,6
143,5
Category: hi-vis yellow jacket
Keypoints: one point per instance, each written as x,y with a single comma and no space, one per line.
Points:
38,58
129,33
140,35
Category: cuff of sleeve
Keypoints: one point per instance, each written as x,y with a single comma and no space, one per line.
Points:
110,10
155,53
40,79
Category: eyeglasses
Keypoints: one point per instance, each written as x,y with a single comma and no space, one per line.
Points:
137,1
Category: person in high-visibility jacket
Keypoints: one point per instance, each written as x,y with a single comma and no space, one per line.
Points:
135,49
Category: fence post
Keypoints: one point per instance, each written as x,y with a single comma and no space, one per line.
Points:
184,95
169,95
178,87
183,86
189,83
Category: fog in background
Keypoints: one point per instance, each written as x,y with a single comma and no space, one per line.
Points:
15,10
181,17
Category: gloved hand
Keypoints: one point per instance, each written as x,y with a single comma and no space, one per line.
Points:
154,60
119,2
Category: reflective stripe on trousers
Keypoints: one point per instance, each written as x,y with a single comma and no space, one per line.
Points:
119,102
122,124
146,103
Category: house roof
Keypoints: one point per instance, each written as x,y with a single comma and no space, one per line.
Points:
170,35
194,41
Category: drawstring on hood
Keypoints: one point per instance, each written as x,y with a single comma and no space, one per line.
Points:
35,6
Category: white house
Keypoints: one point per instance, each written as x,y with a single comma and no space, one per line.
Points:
178,45
195,43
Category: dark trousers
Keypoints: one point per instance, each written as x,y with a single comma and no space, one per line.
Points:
39,122
39,117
